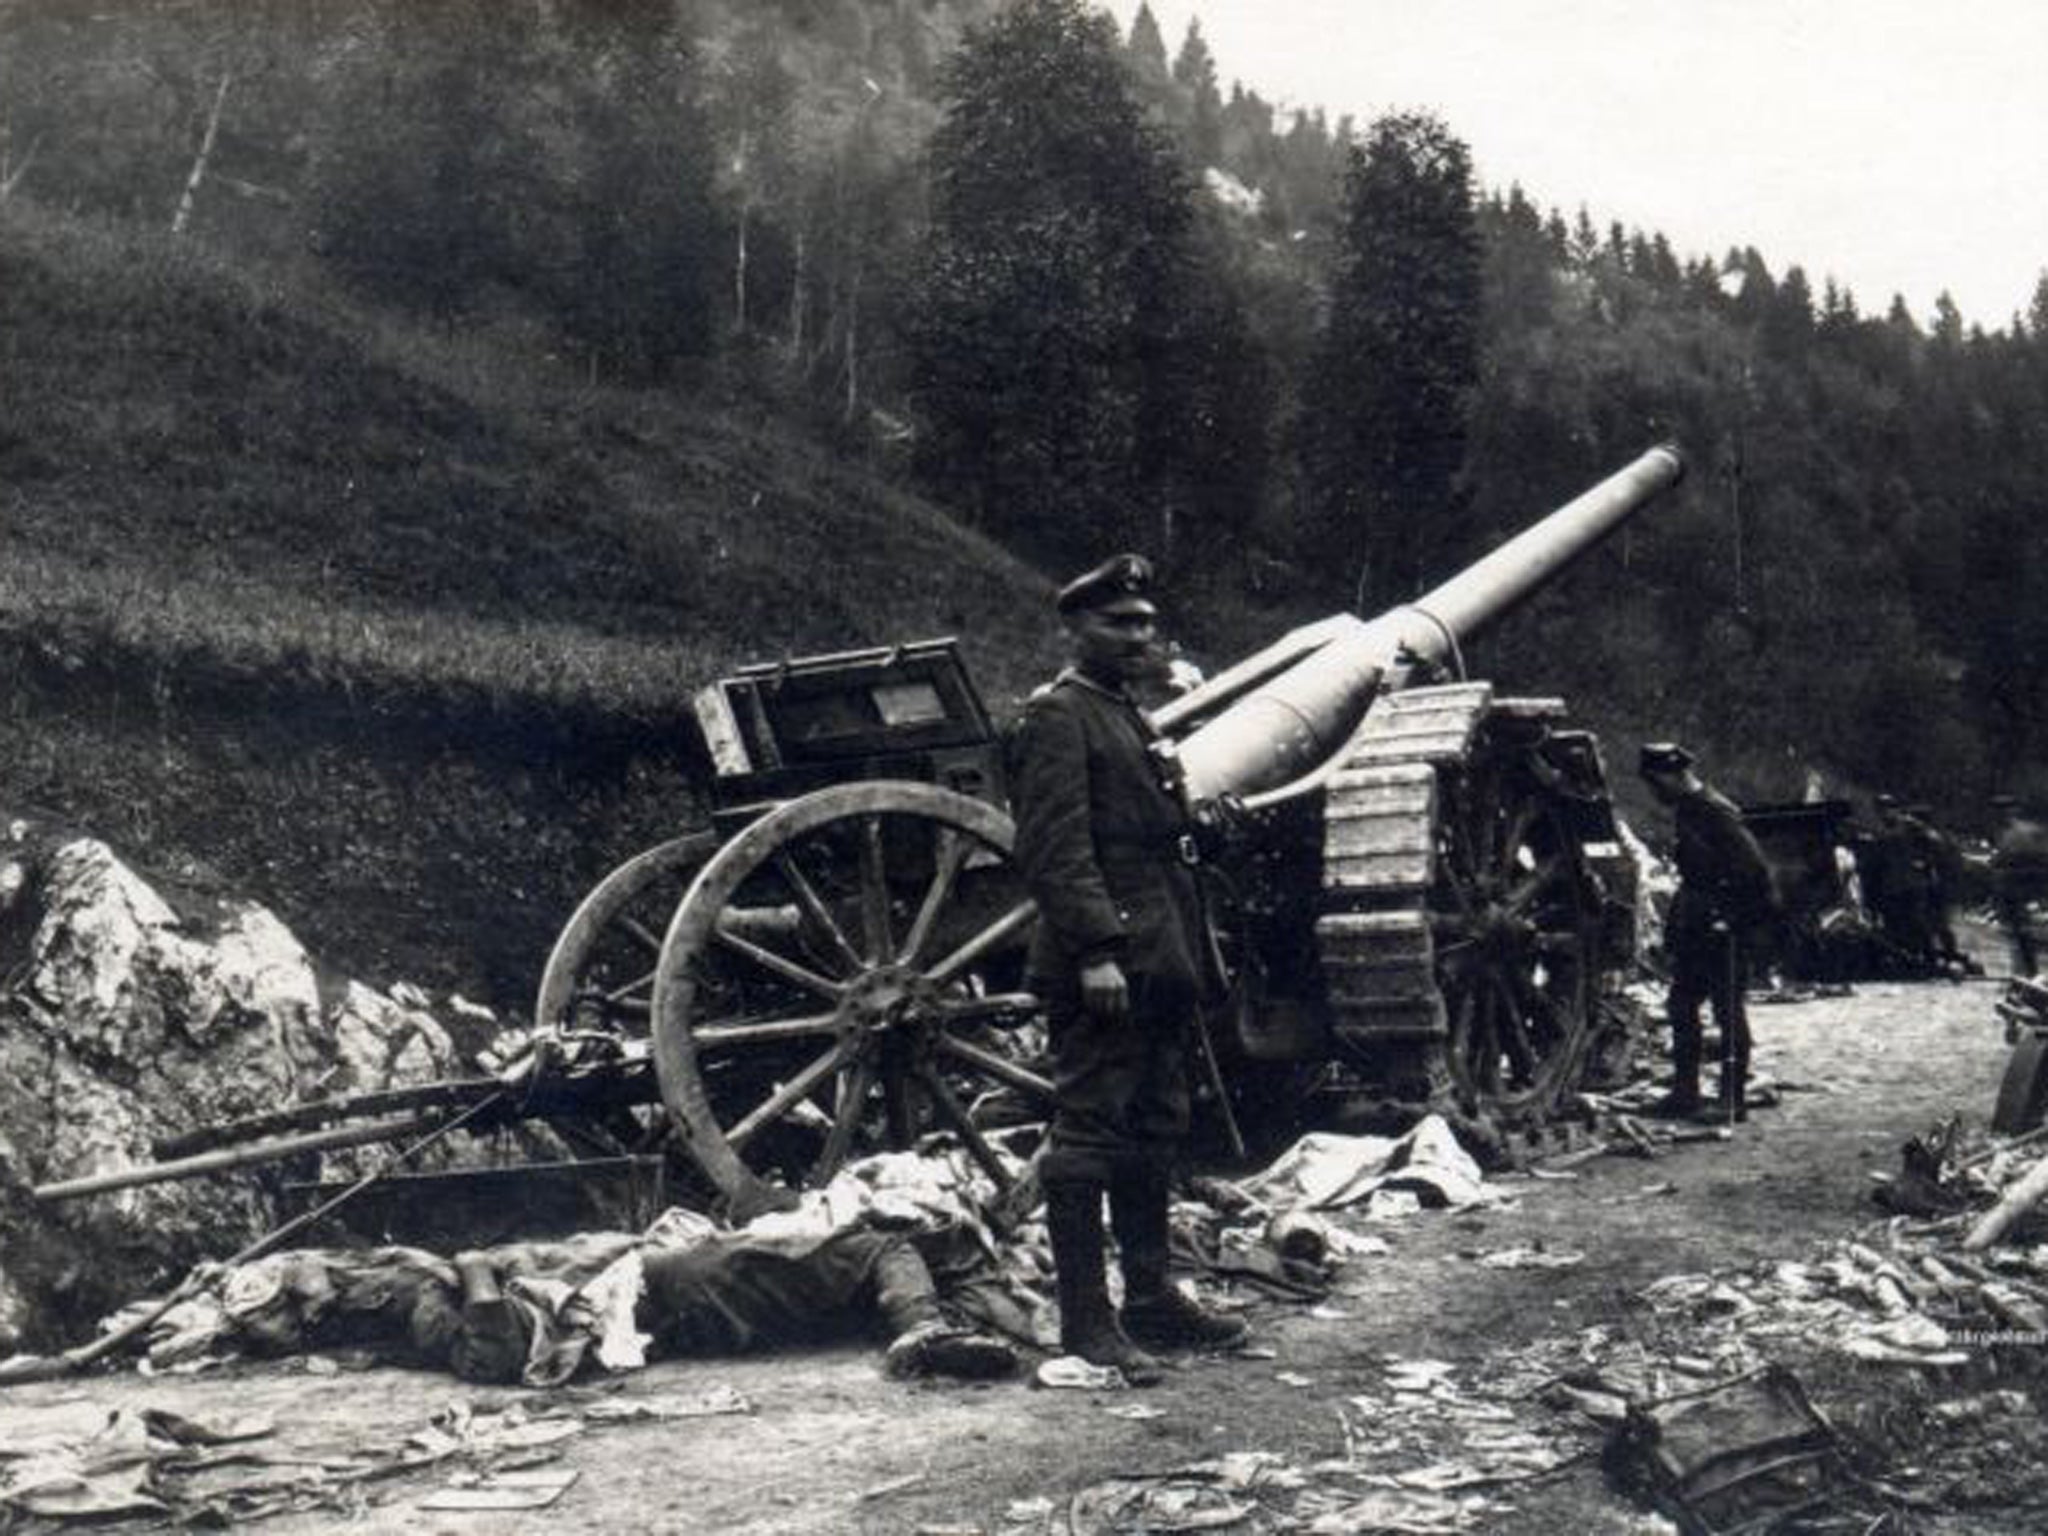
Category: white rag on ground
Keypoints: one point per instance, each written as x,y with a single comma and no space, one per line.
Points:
1324,1171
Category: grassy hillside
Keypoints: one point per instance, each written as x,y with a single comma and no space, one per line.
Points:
392,629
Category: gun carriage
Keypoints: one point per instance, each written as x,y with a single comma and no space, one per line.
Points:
1420,898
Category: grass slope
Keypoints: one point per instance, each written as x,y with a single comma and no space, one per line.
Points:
195,468
394,630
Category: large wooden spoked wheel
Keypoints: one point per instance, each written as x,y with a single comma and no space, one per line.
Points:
845,975
1515,922
600,974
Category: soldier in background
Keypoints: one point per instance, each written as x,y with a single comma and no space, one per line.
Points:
2019,874
1724,889
1939,864
1107,850
1896,881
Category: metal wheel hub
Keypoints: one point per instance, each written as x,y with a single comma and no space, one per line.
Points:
1501,932
885,997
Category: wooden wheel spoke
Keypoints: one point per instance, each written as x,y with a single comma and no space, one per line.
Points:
1001,931
854,1088
646,936
1514,1038
761,1031
900,1112
786,1097
1481,823
1457,959
1470,1040
951,858
954,1113
973,1010
1524,892
989,1064
639,989
874,891
1500,1026
814,908
1551,1013
780,965
1518,831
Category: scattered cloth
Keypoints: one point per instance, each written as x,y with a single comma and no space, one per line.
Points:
1324,1171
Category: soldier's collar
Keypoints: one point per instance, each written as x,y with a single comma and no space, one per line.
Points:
1076,675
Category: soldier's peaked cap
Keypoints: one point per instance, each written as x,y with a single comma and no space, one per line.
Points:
1121,580
1663,757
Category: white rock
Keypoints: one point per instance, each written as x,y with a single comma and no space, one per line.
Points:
98,915
378,1043
132,1026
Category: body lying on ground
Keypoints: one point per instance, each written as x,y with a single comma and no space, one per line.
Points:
537,1313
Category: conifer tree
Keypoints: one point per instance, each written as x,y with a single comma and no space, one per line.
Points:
1147,47
1396,362
1194,71
1046,301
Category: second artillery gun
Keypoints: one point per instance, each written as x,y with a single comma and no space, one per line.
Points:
1423,898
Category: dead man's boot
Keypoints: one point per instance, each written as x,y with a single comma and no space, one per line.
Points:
1088,1325
1156,1313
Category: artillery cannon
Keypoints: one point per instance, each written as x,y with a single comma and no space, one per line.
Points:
1425,896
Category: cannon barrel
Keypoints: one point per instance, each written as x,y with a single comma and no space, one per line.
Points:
1273,720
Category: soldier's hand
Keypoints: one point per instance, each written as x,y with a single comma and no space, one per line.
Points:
1104,992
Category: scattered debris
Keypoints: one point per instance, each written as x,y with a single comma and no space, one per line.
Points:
1137,1413
1389,1176
500,1490
1741,1454
895,1485
1530,1258
1072,1373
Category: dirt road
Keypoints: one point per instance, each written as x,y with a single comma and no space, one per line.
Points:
832,1446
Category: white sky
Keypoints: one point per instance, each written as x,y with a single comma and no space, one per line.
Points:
1897,145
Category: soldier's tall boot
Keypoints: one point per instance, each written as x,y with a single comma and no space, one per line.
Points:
1088,1325
1157,1314
1684,1097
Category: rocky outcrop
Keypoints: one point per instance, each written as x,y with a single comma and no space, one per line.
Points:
125,1020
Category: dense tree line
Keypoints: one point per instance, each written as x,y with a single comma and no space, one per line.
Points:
1105,299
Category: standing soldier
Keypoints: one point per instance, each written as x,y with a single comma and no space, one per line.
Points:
1939,863
1724,888
2019,874
1107,848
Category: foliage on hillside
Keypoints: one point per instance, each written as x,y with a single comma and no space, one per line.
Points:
273,484
607,206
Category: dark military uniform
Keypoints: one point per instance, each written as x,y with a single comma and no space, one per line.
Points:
1724,890
1105,845
2019,872
1107,849
1939,863
1900,885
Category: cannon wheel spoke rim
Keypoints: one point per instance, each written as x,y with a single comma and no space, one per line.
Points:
609,923
1517,980
893,1050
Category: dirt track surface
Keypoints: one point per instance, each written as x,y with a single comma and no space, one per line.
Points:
828,1428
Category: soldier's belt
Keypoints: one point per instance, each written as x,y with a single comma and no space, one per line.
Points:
1180,846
